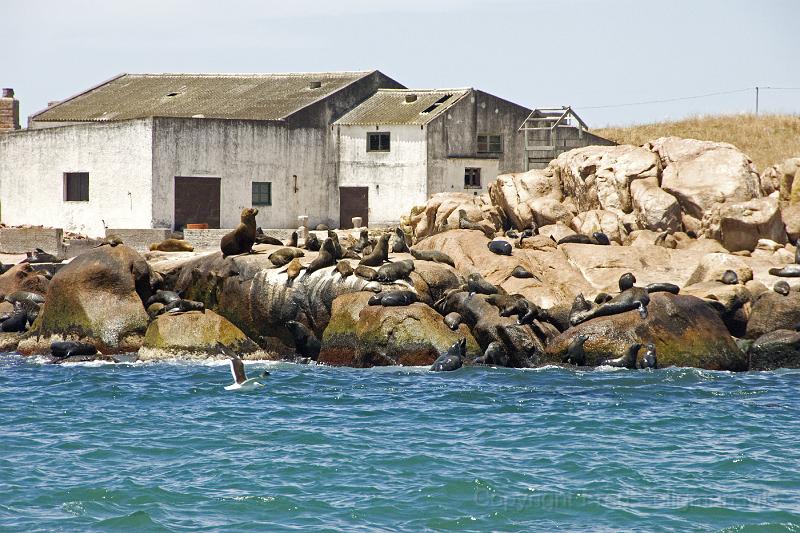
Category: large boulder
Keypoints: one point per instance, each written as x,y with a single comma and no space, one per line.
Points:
685,330
783,178
741,225
22,277
655,208
362,335
97,298
599,177
773,311
441,213
194,335
701,174
731,302
712,266
599,220
791,217
533,196
776,349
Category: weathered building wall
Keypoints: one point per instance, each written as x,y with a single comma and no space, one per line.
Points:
396,179
117,157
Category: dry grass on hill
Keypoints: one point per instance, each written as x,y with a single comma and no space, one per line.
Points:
766,139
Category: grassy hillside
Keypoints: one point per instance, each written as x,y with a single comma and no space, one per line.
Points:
767,139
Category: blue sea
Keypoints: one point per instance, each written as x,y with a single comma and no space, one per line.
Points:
163,447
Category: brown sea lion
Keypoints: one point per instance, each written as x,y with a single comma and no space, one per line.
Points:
365,272
432,255
293,240
284,255
394,271
241,240
380,254
111,240
344,268
172,245
399,245
326,257
293,270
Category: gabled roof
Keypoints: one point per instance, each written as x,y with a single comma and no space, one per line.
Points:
228,96
391,106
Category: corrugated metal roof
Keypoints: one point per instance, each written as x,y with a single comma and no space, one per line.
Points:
390,106
231,96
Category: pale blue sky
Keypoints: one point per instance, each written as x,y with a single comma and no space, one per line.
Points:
582,53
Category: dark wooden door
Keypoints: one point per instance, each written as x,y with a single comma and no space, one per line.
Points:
353,202
196,201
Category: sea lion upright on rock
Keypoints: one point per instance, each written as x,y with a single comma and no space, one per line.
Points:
453,359
380,254
326,257
344,268
626,361
334,237
399,246
575,354
312,243
362,242
241,240
629,298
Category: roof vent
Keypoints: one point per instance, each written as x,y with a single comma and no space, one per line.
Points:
8,92
315,85
411,98
172,94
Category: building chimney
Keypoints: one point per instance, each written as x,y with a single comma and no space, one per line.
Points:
9,111
315,85
411,98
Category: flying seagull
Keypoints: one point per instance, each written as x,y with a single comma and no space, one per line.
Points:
240,380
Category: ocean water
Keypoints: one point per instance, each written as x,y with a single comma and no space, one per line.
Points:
163,447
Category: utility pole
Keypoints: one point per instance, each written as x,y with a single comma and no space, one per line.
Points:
756,100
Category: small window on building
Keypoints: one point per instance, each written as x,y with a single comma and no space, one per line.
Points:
76,186
490,144
378,141
262,193
472,178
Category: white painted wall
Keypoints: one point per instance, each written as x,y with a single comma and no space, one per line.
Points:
454,174
117,156
396,179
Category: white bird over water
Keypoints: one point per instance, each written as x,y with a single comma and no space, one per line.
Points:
240,380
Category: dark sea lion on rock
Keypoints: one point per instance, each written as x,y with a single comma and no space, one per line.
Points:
453,320
789,271
333,236
432,255
512,234
500,247
283,256
293,239
40,256
630,297
172,245
521,273
380,254
363,241
261,238
111,240
63,349
17,321
465,223
476,284
326,257
729,277
306,343
782,288
350,254
312,243
602,297
163,297
453,359
598,237
662,287
344,268
293,270
575,354
181,306
626,361
365,272
579,305
399,246
626,281
395,271
241,240
25,296
393,298
495,354
577,238
649,360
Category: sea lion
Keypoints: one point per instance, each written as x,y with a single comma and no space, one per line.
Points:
334,237
600,238
602,297
349,253
465,223
293,240
344,268
365,272
453,359
576,238
526,233
241,240
322,227
512,234
432,255
579,305
261,238
312,243
782,288
626,281
729,277
163,297
17,321
649,359
453,320
362,242
500,247
399,246
306,343
111,240
63,349
662,287
172,245
393,298
380,254
476,284
25,296
789,271
293,270
575,354
326,257
495,354
626,361
394,271
181,306
508,304
40,256
630,297
521,273
283,256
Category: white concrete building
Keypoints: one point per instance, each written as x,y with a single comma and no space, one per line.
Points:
165,150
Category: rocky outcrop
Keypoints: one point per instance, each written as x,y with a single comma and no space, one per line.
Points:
96,298
685,330
712,266
791,217
655,208
773,311
22,277
441,213
776,349
783,177
740,226
603,221
701,174
531,197
194,335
